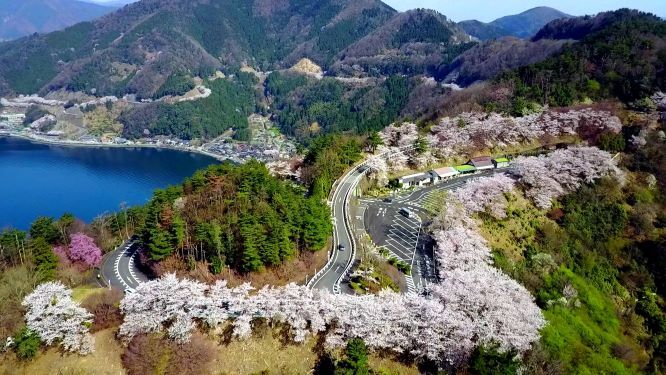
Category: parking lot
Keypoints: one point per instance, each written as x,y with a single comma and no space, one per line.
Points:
406,238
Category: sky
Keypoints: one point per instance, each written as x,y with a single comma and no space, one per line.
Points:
488,10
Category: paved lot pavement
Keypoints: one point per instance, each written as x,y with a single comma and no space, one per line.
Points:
405,237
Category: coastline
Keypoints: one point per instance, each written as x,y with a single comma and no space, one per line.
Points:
69,143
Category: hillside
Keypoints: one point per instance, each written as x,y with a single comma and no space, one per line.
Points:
523,25
481,30
487,60
136,49
624,59
577,28
21,18
411,43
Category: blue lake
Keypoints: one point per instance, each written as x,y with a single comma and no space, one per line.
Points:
48,180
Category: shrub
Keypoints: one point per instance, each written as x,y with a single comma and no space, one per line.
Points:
105,307
151,354
489,360
356,359
26,343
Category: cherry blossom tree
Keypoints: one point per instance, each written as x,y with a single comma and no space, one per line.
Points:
547,177
378,170
422,326
468,132
83,249
486,193
55,317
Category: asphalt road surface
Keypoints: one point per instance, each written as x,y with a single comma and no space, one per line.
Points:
119,269
332,279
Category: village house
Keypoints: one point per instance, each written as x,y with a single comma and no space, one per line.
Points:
501,162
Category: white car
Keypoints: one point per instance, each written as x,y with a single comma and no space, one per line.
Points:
406,212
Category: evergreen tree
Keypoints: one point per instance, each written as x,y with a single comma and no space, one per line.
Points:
356,359
45,227
45,259
159,245
251,259
490,360
373,141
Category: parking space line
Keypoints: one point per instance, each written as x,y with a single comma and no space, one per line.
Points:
400,221
408,236
398,246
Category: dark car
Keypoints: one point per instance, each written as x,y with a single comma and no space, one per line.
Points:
341,247
388,200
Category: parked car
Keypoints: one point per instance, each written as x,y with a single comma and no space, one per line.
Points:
406,212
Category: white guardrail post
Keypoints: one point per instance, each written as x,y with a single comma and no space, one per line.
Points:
336,287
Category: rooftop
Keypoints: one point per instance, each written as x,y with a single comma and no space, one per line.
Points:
446,171
465,168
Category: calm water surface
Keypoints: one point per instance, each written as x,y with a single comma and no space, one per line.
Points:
47,180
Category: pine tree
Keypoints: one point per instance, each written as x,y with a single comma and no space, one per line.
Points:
45,259
356,361
159,244
45,227
250,260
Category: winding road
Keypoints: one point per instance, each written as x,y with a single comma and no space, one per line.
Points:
119,268
340,261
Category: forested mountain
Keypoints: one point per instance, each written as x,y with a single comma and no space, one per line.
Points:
25,17
136,49
482,30
625,59
486,60
523,25
410,43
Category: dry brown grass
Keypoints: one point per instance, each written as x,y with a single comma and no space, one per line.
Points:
105,360
264,352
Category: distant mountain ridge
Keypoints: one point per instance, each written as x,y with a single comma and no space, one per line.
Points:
523,25
24,17
137,48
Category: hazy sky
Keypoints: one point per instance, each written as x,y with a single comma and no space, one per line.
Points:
488,10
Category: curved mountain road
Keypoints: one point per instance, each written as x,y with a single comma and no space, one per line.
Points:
119,268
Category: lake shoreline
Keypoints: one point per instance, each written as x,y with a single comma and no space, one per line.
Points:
50,179
70,143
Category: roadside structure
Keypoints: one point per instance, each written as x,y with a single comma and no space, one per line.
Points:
482,163
443,174
413,180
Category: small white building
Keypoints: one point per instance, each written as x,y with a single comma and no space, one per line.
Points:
442,174
419,179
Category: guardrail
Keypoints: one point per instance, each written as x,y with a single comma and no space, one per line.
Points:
332,195
336,286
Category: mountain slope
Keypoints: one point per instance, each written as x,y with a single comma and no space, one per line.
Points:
487,60
523,25
624,59
483,31
20,18
412,42
136,49
526,24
